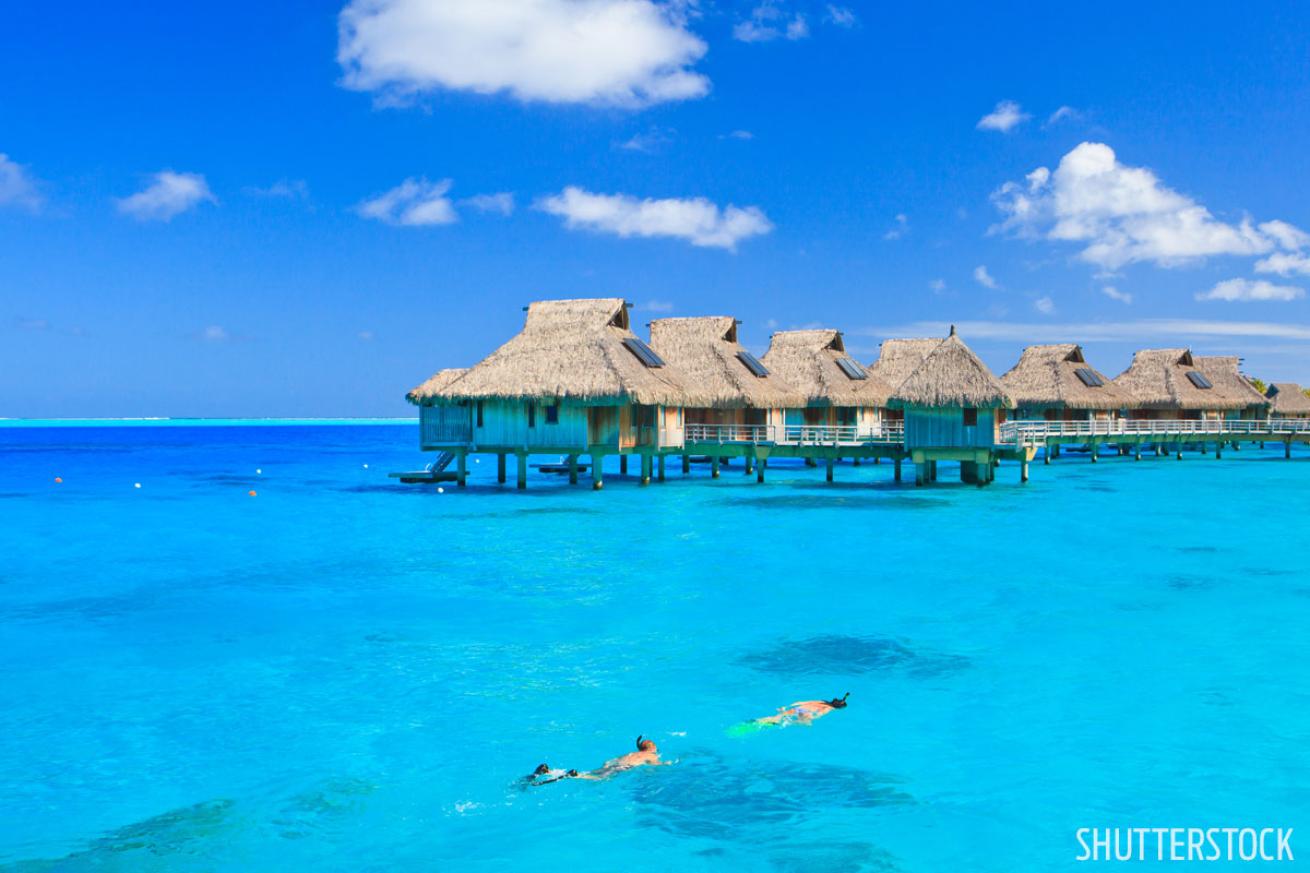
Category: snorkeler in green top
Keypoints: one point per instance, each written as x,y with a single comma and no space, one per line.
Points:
801,712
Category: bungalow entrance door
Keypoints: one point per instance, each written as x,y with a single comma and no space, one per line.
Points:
603,426
643,425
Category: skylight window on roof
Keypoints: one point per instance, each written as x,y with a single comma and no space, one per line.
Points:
643,352
753,364
852,369
1089,377
1198,380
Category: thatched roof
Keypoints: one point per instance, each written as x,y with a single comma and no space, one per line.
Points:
569,349
705,351
1287,398
1157,379
808,360
898,358
951,375
428,390
1224,372
1047,376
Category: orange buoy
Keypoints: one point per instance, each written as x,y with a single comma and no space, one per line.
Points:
252,494
59,480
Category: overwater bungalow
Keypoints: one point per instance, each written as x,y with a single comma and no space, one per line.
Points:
731,396
953,407
1168,384
1055,383
897,359
1225,374
576,380
1287,400
839,391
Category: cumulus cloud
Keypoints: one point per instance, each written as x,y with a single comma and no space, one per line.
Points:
628,53
1185,330
415,202
898,229
660,306
842,16
17,187
695,220
740,134
1115,294
1123,215
982,277
768,21
937,285
215,333
1005,117
1062,114
1250,290
649,142
1284,264
1044,305
283,189
167,196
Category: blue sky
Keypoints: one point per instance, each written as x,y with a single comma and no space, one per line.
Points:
306,208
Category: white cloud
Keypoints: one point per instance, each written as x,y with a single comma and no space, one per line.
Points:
169,195
1064,112
501,203
1124,214
656,306
415,202
1115,294
899,229
629,53
982,277
1044,305
366,336
1147,329
1284,264
1005,117
768,22
17,187
1248,290
215,334
696,220
741,134
649,142
842,16
937,285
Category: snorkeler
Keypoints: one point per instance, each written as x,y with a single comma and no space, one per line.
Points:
645,756
802,712
544,775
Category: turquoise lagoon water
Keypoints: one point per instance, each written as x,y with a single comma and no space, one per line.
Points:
343,673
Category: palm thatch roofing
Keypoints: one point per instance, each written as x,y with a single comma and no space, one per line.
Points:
808,360
1288,398
1225,373
429,389
568,350
706,352
1157,379
898,358
951,375
1047,375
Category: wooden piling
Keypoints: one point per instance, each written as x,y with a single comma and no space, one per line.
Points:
686,465
661,468
462,470
1023,470
500,468
573,469
522,469
597,476
714,466
645,469
623,465
829,470
897,476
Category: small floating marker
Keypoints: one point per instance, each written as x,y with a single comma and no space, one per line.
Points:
366,466
59,480
441,490
253,494
259,471
136,484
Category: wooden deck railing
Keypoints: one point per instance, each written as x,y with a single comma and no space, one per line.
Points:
1030,433
796,434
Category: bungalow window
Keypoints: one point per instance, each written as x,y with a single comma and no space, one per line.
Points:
970,417
479,413
552,414
532,415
